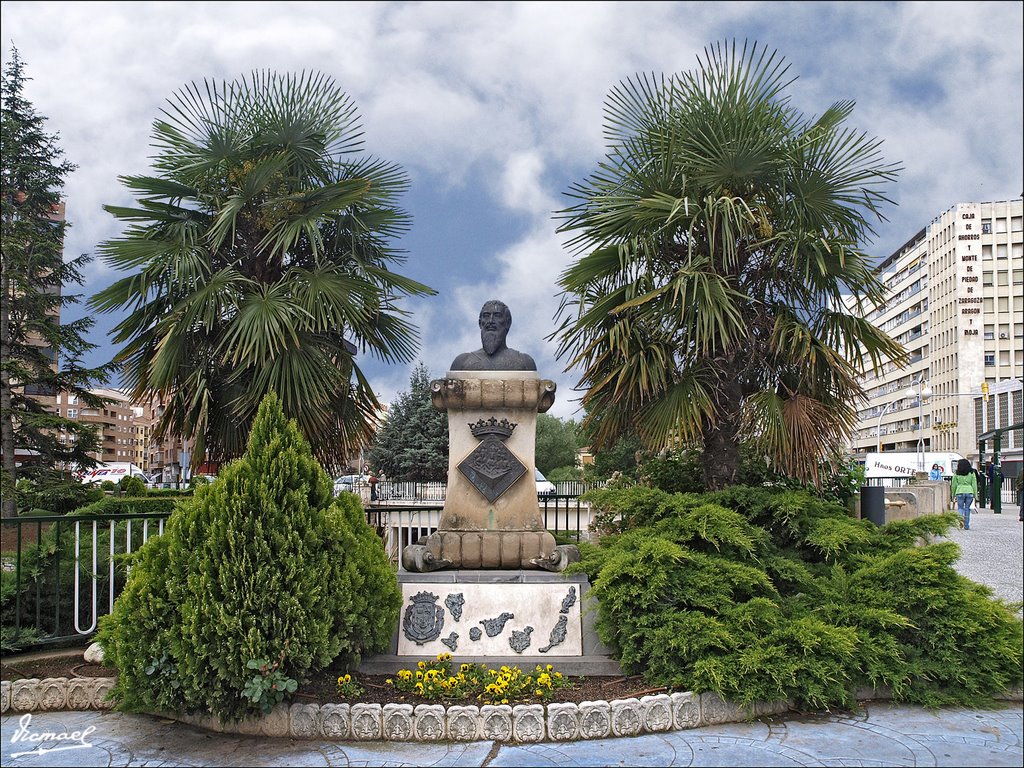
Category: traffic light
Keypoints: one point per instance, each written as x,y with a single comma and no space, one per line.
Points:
984,391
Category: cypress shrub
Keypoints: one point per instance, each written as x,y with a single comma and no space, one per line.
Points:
262,573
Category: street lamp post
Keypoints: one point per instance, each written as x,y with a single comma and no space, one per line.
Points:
878,429
920,390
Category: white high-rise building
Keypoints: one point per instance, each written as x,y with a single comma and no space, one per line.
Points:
956,303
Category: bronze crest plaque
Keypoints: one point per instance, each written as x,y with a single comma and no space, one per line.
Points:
492,468
423,620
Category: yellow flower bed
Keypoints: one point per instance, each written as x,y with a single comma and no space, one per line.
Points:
437,679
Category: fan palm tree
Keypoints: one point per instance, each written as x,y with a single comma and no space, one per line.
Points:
260,260
719,290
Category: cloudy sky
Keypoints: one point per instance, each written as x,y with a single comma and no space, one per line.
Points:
495,109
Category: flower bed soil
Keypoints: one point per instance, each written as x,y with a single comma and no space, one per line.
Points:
321,688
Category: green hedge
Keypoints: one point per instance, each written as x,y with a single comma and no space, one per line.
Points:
129,505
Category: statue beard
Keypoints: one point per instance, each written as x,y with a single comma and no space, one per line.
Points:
492,340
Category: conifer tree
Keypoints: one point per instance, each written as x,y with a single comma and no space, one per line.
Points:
38,354
413,443
263,564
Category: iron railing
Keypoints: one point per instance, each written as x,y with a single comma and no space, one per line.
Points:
62,573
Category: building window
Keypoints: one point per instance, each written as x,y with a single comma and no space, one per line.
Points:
1000,226
1017,223
986,278
1001,251
990,359
72,413
1002,278
986,226
986,252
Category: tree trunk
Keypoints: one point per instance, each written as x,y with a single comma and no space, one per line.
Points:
722,439
10,503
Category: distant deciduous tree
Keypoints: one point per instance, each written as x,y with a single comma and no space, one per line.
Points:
557,443
38,354
412,445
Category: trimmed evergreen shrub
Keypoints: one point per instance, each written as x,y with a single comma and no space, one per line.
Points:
133,486
762,594
261,565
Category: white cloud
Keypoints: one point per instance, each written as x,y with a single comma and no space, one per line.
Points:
506,100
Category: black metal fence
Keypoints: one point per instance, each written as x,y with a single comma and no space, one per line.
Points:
60,574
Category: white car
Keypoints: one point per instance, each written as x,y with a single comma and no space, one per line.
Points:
346,484
544,486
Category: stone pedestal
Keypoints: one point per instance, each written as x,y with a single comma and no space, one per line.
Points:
491,518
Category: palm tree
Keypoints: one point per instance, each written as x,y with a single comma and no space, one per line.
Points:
260,262
720,291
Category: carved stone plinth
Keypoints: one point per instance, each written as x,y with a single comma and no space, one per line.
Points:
491,518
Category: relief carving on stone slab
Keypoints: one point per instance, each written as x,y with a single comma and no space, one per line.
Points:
491,467
335,721
496,722
424,619
397,722
557,636
569,601
366,721
475,634
451,642
595,719
493,627
520,639
528,722
454,603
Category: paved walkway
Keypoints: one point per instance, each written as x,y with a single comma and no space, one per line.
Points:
877,735
991,552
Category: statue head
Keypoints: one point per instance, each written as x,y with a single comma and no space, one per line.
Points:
495,321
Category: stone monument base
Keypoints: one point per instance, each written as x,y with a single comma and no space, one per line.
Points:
514,617
488,549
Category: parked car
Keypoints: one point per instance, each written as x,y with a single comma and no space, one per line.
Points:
348,483
544,486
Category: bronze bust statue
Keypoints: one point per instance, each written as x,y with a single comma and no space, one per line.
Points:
494,355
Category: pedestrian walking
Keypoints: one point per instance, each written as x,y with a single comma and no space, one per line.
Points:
964,489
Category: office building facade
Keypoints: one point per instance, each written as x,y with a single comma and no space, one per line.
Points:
956,303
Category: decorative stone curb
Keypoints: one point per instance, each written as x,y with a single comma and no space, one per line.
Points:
433,722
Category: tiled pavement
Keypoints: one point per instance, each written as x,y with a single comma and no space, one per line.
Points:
877,735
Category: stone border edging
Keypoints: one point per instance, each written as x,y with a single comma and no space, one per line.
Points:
521,723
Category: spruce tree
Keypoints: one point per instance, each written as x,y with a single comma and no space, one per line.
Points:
38,354
413,443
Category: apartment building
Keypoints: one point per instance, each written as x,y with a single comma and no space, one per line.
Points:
956,303
123,427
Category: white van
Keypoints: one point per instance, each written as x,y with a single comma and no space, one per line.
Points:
907,464
113,471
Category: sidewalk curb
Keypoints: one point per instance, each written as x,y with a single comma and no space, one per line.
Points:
522,723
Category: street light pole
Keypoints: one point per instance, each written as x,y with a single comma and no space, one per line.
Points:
878,429
921,392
